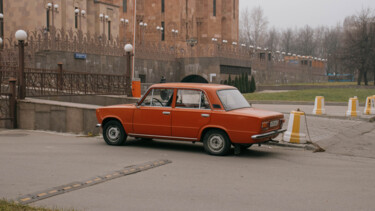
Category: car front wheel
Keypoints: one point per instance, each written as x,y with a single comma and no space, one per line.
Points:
114,133
216,142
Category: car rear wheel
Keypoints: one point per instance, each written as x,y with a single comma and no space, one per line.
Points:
114,133
216,142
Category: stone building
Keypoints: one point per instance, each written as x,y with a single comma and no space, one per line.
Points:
181,20
183,40
68,14
194,20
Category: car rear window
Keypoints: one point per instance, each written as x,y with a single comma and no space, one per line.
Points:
232,99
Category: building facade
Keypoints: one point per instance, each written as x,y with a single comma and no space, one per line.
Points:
178,39
176,21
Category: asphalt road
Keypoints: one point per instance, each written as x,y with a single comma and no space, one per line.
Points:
262,178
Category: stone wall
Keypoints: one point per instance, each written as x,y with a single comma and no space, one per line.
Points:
102,100
92,64
151,70
36,114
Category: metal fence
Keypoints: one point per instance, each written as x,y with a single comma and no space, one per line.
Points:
41,82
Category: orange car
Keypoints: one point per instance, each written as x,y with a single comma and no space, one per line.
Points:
217,115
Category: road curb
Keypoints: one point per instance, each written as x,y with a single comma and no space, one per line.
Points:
290,145
360,118
280,102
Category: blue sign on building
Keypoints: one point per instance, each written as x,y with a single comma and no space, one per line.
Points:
80,56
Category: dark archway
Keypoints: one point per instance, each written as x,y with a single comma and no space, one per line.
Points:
194,79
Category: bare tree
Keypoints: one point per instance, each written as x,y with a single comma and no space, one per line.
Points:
332,49
357,43
273,41
259,25
372,41
253,26
245,27
319,35
305,41
287,40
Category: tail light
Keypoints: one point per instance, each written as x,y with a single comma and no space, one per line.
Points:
265,125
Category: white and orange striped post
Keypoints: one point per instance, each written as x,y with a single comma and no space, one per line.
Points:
319,106
353,106
370,106
295,127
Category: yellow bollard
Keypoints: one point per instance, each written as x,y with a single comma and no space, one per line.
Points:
319,106
353,106
295,126
370,106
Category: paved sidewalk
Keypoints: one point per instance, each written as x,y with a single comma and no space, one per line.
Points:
338,112
334,132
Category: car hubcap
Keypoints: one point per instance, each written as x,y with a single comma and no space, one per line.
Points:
113,134
216,143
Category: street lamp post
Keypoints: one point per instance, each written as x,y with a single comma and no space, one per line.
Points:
1,25
142,28
160,29
54,8
124,22
21,37
103,18
174,34
81,14
216,44
128,54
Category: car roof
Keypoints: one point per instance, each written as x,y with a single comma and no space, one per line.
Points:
193,86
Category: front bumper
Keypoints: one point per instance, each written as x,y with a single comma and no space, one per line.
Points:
267,135
98,125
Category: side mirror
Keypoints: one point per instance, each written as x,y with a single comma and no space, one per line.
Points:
138,104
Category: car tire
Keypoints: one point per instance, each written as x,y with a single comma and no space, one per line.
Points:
114,133
216,142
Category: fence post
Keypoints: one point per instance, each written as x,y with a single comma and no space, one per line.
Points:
12,102
21,70
60,76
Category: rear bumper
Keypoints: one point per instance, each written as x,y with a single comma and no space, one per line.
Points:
267,135
98,125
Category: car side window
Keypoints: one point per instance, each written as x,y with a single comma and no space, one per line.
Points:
159,98
191,99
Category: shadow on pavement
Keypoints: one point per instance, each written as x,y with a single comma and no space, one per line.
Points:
197,148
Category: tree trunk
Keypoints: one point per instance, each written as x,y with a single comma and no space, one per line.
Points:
365,77
359,77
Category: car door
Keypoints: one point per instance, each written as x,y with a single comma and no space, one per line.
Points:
191,112
153,116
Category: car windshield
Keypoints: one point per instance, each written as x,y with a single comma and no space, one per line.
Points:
232,99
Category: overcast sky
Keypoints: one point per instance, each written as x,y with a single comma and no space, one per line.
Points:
298,13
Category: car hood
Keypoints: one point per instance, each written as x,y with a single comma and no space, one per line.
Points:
259,113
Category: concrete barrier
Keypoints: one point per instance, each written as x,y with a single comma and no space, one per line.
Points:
319,108
37,114
370,106
353,107
102,100
295,127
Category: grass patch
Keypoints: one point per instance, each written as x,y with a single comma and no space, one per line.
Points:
330,95
318,84
11,206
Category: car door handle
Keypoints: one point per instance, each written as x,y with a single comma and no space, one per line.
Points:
205,115
166,112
